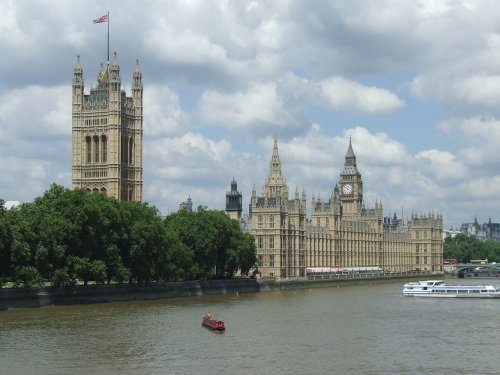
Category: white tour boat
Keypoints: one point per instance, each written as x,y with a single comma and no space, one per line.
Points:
437,288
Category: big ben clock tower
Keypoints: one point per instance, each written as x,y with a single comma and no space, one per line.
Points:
351,186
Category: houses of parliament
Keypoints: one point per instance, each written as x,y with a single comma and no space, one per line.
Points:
107,138
340,232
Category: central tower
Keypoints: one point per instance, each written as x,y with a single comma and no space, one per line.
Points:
107,128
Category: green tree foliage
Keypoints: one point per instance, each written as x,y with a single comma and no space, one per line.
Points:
5,244
66,235
464,248
218,246
28,277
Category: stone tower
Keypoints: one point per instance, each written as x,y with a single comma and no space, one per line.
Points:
279,224
234,204
107,128
351,186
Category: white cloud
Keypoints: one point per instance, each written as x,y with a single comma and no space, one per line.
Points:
481,138
345,95
164,115
443,165
477,90
185,46
48,114
260,105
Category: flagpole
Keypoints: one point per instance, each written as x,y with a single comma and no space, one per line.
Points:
108,37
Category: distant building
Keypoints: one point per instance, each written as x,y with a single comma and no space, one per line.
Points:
486,231
450,233
107,130
187,205
341,232
234,203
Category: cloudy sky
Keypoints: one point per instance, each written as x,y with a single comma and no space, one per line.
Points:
416,84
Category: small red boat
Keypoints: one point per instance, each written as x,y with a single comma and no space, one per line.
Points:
213,324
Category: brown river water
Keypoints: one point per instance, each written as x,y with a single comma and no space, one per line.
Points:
368,329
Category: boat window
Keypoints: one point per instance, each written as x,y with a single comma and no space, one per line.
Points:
475,291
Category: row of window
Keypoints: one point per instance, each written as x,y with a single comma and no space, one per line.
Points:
417,260
96,149
261,221
96,174
96,121
417,249
96,190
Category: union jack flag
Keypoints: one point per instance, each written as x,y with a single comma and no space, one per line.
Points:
101,19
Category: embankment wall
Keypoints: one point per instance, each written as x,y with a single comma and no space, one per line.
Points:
39,297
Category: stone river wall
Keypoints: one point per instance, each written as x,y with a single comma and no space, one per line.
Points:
39,297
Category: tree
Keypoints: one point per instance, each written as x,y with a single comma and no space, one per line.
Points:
247,253
464,248
218,245
5,244
27,277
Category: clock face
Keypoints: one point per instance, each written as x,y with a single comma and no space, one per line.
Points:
347,189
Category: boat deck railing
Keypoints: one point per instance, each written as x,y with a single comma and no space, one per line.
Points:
367,275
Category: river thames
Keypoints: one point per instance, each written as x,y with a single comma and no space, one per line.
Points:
368,329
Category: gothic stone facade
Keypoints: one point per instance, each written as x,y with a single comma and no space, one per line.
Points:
341,232
107,130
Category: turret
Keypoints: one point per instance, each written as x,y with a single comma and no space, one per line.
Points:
78,86
103,77
114,84
137,88
234,203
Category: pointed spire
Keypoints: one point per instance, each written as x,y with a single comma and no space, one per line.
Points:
275,184
350,161
350,152
275,164
78,67
137,70
114,64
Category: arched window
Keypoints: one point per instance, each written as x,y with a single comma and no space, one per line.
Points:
103,190
95,190
131,150
104,148
124,150
88,149
96,149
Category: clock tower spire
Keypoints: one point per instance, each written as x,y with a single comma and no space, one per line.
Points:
351,185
